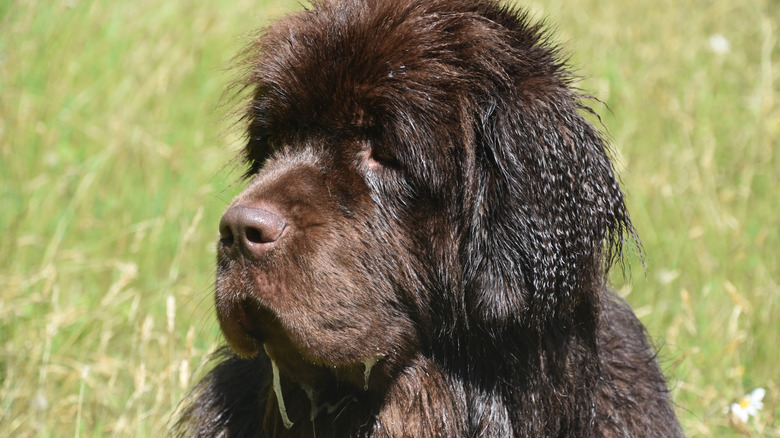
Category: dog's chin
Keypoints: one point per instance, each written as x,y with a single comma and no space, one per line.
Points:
244,347
250,328
240,329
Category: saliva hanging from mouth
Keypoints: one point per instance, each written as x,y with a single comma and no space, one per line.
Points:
312,394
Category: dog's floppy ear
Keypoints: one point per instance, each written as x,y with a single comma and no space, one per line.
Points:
549,215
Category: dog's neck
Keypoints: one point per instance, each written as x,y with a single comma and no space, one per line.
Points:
428,398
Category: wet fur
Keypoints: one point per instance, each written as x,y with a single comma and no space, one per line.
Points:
453,215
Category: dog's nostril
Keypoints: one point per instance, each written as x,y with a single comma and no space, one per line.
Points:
226,241
225,234
250,230
255,236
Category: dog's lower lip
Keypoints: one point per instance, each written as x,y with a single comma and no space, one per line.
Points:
246,322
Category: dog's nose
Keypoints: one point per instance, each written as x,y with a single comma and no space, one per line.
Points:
249,231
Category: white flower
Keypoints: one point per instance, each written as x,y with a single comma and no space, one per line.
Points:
719,44
749,405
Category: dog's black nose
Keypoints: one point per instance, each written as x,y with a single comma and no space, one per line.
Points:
249,231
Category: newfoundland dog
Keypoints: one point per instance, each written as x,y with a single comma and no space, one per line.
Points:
422,247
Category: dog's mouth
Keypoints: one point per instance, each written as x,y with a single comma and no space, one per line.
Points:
249,327
245,325
245,320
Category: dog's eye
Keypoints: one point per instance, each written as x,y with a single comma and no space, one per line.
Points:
381,156
256,153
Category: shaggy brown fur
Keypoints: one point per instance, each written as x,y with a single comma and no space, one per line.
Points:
422,246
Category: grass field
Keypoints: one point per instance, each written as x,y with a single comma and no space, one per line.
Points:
112,180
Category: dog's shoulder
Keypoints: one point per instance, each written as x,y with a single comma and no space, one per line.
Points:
631,380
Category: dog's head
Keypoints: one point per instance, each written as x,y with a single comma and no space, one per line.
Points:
414,169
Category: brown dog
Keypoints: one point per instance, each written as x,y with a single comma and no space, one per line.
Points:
422,247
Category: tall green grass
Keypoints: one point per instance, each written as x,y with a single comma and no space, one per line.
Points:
112,181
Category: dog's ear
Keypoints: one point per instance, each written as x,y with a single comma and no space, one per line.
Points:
549,217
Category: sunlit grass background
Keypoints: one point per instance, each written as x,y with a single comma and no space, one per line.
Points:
112,147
